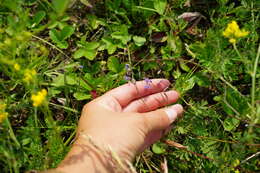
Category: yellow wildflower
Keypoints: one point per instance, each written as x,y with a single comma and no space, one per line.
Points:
17,67
3,116
39,97
232,40
232,32
29,75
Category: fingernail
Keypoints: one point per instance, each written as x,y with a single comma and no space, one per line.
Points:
172,114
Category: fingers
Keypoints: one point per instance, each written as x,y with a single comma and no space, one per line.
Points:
152,102
162,118
129,92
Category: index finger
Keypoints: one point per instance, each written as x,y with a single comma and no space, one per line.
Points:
131,91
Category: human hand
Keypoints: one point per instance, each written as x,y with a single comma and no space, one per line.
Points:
127,119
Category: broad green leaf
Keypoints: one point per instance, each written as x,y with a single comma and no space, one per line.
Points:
91,45
122,34
114,65
82,96
139,41
66,32
60,6
54,35
79,53
160,6
157,149
109,45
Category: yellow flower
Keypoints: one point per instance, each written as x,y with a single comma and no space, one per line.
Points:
232,40
39,97
17,67
232,32
3,116
29,75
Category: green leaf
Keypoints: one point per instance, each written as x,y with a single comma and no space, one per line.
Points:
79,53
157,149
59,37
109,45
60,6
54,35
38,17
66,32
82,96
230,124
160,6
184,66
122,34
114,65
87,53
139,41
91,45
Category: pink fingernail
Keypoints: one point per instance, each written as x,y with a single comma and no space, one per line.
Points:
172,114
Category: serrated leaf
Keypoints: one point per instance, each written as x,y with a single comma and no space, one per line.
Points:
139,41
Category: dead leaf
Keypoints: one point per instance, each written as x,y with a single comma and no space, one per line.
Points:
190,16
175,144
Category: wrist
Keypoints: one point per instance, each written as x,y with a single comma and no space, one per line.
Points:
86,155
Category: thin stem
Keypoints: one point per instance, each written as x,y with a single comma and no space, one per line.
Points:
238,53
12,135
254,78
35,117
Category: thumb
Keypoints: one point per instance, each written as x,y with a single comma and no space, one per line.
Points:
160,119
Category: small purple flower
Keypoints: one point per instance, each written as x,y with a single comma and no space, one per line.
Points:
128,78
127,67
147,83
81,66
146,86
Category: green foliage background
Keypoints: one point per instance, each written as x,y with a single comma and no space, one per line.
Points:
79,50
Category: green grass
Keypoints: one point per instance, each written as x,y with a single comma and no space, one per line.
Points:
79,50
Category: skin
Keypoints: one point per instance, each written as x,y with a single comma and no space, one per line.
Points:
127,119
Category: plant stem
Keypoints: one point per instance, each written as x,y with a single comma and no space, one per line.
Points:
12,135
238,53
254,79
